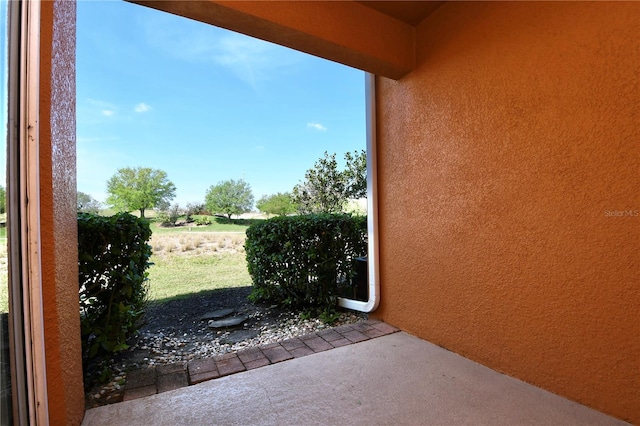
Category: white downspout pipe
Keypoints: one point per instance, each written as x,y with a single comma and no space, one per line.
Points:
372,206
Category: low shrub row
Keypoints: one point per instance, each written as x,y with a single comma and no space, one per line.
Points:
304,261
113,254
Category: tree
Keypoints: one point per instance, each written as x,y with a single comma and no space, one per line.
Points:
280,204
139,188
170,215
191,209
86,203
229,197
355,174
327,189
323,190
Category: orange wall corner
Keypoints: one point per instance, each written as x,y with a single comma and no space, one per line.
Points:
58,226
508,176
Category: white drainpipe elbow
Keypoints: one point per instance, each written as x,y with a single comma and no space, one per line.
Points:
372,208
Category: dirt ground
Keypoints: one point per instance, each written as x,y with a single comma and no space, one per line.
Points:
183,317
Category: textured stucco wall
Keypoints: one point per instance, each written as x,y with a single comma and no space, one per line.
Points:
502,158
58,213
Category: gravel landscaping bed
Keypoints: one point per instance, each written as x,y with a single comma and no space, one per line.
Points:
178,331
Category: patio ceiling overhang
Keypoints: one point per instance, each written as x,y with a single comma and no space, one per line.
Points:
374,36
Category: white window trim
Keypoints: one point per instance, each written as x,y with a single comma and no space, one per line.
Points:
25,268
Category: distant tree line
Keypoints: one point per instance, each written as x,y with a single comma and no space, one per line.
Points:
325,189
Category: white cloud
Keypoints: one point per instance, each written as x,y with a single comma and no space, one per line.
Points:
249,59
317,126
245,57
142,107
105,108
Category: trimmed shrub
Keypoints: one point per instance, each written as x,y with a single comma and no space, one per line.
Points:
203,220
113,257
304,261
169,216
192,209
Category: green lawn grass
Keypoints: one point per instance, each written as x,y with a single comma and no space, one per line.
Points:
218,224
187,265
4,274
4,293
214,227
149,214
177,277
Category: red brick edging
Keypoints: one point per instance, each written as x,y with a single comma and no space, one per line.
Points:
152,380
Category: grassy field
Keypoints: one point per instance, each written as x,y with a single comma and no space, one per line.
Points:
4,277
188,262
149,214
187,259
179,277
217,225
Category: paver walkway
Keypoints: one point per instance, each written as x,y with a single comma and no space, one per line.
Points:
397,379
152,380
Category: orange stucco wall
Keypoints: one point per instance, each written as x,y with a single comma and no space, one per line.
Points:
502,160
508,173
58,213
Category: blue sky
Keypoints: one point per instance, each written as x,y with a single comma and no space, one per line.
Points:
3,91
204,104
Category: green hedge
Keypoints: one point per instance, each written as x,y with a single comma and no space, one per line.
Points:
113,256
304,261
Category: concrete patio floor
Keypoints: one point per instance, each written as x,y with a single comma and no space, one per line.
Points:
395,379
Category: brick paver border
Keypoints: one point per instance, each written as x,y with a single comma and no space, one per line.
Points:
152,380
